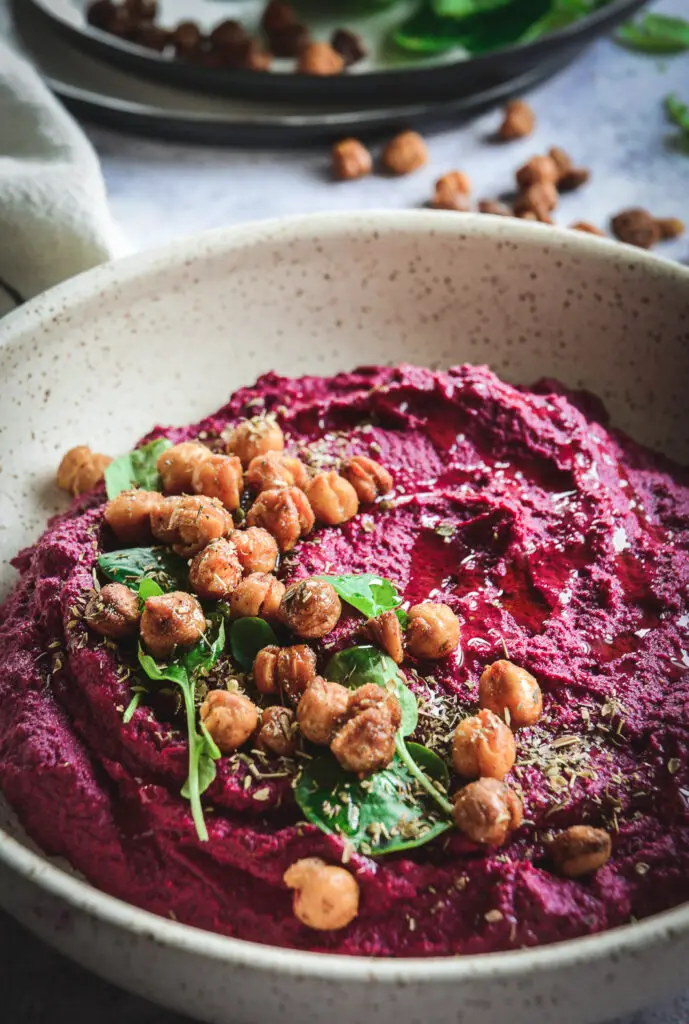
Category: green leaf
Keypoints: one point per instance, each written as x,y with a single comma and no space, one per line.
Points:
677,112
203,655
211,746
131,565
365,664
478,32
149,588
136,469
560,15
248,636
656,33
131,708
430,763
385,813
366,592
463,8
173,671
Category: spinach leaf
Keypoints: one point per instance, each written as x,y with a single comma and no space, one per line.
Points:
462,8
561,14
358,665
131,565
366,592
136,469
430,763
248,636
477,32
202,750
385,813
656,33
149,588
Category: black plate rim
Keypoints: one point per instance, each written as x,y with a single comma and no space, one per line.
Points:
419,82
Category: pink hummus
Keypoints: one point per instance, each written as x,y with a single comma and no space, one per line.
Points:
549,535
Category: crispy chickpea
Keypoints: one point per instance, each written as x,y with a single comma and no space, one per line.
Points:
256,549
487,811
215,571
69,465
433,630
284,669
274,469
113,611
456,181
176,465
495,207
219,476
366,743
285,512
519,121
170,621
326,897
505,689
90,473
538,169
368,478
404,153
350,160
190,522
483,747
322,710
385,632
370,695
255,437
580,850
129,515
311,608
446,198
231,719
259,595
332,498
276,734
539,200
589,229
636,227
319,59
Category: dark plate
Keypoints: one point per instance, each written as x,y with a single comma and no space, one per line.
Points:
380,80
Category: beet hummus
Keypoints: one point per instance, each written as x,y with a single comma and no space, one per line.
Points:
559,545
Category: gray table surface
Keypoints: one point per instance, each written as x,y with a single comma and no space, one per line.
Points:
605,109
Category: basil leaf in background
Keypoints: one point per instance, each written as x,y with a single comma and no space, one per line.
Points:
677,113
131,565
148,588
366,592
384,813
358,665
655,33
136,469
249,636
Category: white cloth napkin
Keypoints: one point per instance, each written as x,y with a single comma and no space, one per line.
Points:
54,218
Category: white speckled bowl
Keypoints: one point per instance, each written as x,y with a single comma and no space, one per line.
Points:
166,336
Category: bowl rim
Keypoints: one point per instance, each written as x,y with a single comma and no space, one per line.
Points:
653,932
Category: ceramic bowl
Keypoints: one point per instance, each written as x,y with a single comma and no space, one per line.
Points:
166,336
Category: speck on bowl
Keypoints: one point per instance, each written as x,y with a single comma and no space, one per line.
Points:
166,336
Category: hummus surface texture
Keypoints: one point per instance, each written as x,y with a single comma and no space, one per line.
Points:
552,538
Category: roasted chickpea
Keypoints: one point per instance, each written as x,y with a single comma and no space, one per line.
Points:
487,811
539,169
326,897
219,476
231,719
113,611
350,160
385,632
370,695
129,515
190,522
90,473
259,595
366,743
277,732
580,850
215,571
256,549
319,59
404,153
332,498
311,608
519,121
170,621
176,465
274,469
255,437
433,630
511,693
483,747
70,464
368,478
285,512
284,669
322,710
